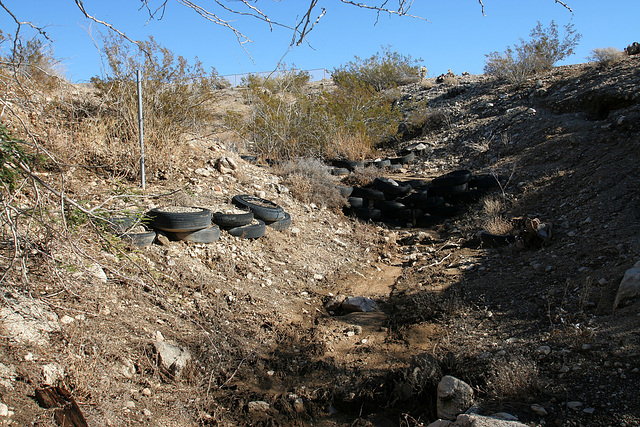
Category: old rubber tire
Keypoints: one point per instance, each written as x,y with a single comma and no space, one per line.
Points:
179,219
205,235
344,191
454,178
120,224
250,231
139,240
281,224
230,220
262,209
367,193
448,190
391,186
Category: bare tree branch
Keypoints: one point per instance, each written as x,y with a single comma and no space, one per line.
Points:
80,5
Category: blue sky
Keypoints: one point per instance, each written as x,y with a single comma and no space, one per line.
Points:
457,36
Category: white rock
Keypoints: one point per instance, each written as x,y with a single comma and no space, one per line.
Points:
96,271
539,410
359,304
258,406
52,373
65,320
629,286
4,410
543,350
454,397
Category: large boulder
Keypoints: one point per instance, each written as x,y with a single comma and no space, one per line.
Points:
629,286
454,397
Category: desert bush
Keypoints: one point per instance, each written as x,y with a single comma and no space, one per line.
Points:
175,96
310,182
517,377
606,56
381,71
287,121
540,53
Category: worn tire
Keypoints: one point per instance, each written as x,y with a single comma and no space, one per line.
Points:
281,224
166,220
367,193
390,186
355,202
263,209
205,235
403,160
254,230
119,224
448,190
389,206
451,179
344,191
139,240
339,171
230,220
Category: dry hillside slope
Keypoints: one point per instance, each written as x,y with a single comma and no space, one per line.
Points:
531,328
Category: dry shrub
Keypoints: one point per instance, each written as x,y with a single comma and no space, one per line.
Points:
607,56
494,222
449,80
426,84
310,182
540,53
517,377
348,146
363,176
175,99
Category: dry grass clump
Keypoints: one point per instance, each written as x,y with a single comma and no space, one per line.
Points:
607,56
516,377
309,181
494,222
363,176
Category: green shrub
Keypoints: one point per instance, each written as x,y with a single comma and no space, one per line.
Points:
529,57
607,56
384,70
12,155
175,97
287,120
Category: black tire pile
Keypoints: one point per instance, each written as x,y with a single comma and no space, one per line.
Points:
200,225
417,203
345,167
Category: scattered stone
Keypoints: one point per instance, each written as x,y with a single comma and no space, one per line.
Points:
575,405
629,286
334,303
475,420
96,271
52,373
258,406
454,397
504,416
359,304
130,404
7,375
539,410
4,410
27,320
163,240
171,358
543,350
65,320
589,410
146,392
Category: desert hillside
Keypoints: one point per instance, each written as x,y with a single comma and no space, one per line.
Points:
255,331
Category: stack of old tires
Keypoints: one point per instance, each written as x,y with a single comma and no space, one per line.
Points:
418,203
199,225
189,224
345,167
254,214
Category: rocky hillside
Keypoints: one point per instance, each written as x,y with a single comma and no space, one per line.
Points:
252,331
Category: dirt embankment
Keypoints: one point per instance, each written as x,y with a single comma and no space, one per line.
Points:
526,327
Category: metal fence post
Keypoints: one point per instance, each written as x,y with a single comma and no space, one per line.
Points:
142,171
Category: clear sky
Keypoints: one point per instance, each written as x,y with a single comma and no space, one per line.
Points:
456,36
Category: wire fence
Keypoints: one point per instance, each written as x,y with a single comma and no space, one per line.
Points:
315,74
